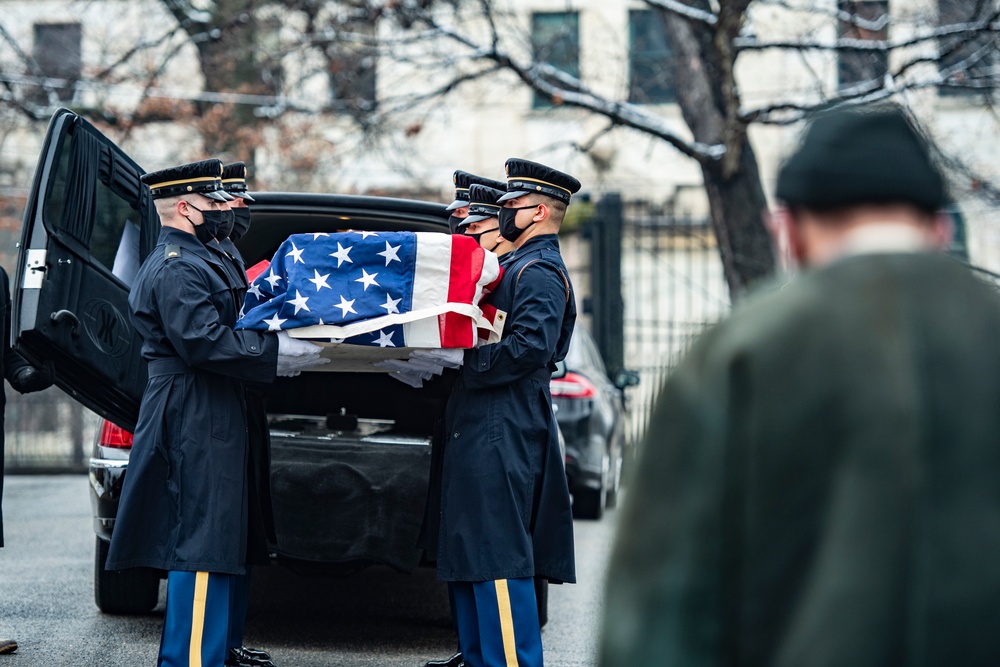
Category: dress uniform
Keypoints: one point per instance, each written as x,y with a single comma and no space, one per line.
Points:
505,505
184,505
460,207
261,518
818,483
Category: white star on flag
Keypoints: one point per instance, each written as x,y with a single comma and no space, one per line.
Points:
385,340
274,324
341,254
255,290
299,302
273,280
296,255
365,235
389,253
390,305
319,234
320,280
346,306
368,279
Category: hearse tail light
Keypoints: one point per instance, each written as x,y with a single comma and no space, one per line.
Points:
572,385
115,436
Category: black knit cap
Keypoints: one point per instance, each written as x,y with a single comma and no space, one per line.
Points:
203,178
234,180
861,157
525,177
483,204
463,180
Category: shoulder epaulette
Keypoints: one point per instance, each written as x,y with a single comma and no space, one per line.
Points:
171,251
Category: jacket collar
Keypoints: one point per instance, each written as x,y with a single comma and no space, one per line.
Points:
187,242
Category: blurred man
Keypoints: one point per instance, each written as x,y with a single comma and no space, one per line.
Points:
23,377
505,505
818,485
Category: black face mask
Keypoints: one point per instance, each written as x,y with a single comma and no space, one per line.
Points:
212,222
508,222
479,237
241,224
453,222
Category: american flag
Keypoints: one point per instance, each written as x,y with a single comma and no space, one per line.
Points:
385,289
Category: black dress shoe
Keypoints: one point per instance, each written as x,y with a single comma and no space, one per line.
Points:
454,661
249,657
8,645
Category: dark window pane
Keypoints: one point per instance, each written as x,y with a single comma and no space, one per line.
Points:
855,67
966,64
58,54
651,66
555,40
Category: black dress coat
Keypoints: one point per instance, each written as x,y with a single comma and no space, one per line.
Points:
184,504
819,481
505,505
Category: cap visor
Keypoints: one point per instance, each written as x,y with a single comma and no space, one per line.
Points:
458,203
513,195
473,218
244,195
217,195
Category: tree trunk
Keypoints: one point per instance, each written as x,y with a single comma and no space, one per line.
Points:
709,102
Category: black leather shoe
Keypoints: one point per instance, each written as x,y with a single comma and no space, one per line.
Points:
8,645
454,661
249,657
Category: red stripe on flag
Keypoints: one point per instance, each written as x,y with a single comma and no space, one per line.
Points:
257,269
466,268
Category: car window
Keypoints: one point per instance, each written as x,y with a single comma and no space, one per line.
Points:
593,355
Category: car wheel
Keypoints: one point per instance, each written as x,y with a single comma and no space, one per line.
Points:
589,503
616,480
542,600
133,591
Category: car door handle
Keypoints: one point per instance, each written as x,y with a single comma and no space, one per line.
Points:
60,316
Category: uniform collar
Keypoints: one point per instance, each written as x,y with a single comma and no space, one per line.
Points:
537,243
188,242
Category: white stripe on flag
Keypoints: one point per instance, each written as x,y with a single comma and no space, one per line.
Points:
430,287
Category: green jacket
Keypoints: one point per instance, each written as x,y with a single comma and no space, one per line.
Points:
820,482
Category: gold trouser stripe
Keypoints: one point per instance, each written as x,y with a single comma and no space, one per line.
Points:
506,623
198,617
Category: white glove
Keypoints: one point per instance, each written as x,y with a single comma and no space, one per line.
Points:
446,357
293,347
296,355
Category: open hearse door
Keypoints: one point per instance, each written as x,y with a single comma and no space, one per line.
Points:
88,224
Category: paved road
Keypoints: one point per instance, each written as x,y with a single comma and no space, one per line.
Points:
377,617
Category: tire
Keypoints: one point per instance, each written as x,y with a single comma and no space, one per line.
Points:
589,503
134,591
542,600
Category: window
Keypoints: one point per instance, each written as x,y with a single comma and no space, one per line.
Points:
965,63
650,60
351,69
555,40
868,20
58,54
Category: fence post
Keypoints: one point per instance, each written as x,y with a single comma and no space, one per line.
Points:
606,302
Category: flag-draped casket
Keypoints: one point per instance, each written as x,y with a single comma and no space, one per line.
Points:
389,290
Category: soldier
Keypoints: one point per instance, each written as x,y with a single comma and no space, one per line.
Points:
184,505
505,505
818,484
261,517
460,207
483,223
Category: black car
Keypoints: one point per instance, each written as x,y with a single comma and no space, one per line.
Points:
590,409
351,451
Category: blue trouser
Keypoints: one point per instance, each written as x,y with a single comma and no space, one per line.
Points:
498,623
196,621
239,594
